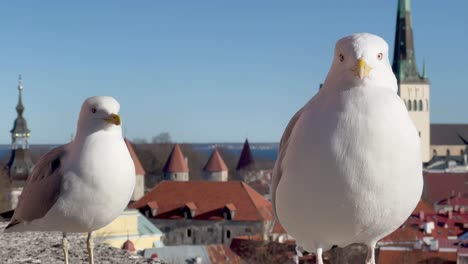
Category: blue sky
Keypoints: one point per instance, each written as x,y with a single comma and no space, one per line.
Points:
205,71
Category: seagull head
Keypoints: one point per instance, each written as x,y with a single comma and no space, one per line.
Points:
362,58
99,113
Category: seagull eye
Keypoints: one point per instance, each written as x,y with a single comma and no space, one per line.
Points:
380,56
93,110
341,57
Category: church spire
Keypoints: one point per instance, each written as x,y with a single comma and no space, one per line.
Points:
20,164
20,107
404,62
20,127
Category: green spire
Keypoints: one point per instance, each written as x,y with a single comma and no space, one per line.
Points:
403,7
404,61
424,70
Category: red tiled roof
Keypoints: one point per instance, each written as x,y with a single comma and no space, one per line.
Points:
424,207
231,207
153,204
278,228
210,198
191,206
455,200
176,161
444,226
246,161
215,163
138,167
223,254
438,186
415,256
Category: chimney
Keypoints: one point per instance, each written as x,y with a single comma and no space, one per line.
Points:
449,214
421,215
434,245
428,227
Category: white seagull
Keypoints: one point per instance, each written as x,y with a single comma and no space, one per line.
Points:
84,185
349,168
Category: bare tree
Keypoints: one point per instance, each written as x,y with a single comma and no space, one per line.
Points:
163,137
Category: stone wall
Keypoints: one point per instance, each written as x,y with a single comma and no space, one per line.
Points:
196,232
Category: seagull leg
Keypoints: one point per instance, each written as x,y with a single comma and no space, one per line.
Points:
65,246
370,259
90,244
319,256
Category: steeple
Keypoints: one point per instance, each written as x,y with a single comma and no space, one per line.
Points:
246,161
404,61
20,131
20,164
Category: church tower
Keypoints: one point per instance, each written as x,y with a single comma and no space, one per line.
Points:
413,88
20,164
246,169
176,168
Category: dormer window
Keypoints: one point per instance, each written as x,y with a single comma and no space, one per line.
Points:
190,210
229,211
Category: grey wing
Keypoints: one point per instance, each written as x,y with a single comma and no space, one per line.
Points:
42,188
277,172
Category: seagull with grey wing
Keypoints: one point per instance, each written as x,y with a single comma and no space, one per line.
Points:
84,185
349,168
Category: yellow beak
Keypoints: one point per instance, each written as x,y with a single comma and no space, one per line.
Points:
361,69
113,119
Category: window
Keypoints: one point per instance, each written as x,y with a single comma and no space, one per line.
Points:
415,105
462,152
228,234
448,152
409,105
189,232
419,132
420,105
434,152
210,229
248,230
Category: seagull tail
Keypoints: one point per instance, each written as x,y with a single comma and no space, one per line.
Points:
7,215
11,226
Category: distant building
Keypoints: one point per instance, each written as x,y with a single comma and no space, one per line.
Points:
453,203
139,190
176,168
20,165
215,169
426,237
131,231
246,170
206,212
448,148
413,88
441,185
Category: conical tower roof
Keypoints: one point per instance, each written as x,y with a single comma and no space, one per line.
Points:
176,161
404,60
246,161
20,126
215,163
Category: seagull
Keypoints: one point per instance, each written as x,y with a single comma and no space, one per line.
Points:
349,168
81,186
